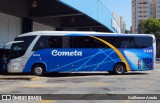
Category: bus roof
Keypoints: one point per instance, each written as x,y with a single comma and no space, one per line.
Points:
62,33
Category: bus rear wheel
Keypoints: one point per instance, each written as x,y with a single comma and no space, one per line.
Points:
119,69
38,70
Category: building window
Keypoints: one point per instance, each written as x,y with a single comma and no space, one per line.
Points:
145,11
144,2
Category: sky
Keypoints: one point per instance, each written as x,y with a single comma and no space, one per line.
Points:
122,8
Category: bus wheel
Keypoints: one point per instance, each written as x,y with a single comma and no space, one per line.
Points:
38,70
119,69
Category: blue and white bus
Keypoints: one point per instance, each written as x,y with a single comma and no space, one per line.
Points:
59,51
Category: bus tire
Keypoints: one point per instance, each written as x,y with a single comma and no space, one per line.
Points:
119,69
38,69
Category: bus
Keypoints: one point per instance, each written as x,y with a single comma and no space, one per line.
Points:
43,52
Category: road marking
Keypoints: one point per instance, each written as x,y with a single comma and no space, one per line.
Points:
46,101
34,85
35,78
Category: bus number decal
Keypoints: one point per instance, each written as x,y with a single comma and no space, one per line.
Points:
148,50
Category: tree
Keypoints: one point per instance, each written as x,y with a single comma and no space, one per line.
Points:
152,26
141,27
127,31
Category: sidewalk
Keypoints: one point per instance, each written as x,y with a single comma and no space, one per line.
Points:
18,77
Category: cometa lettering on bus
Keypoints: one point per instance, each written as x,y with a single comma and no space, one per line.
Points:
66,53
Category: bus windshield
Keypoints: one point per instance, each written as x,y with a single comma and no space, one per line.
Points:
19,46
16,50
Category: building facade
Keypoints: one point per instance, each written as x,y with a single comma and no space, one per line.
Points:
120,22
157,2
22,16
142,10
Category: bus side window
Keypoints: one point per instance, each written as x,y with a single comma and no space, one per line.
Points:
55,42
116,42
86,42
41,43
66,42
143,42
77,42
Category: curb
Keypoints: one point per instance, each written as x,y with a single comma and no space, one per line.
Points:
29,78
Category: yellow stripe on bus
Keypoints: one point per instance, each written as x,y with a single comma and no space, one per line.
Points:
116,50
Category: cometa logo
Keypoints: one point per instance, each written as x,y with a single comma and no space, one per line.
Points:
66,53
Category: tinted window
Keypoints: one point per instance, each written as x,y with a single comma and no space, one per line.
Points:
86,42
90,42
27,40
16,50
48,42
143,42
121,42
19,49
66,41
129,42
54,42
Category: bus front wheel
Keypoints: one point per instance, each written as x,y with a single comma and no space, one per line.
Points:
38,70
119,69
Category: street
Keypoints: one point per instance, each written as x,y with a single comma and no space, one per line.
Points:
144,82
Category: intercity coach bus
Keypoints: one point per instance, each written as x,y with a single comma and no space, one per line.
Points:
59,51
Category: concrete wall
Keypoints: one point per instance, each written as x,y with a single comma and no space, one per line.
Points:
40,27
10,27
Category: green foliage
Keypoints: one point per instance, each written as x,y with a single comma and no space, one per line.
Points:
150,26
141,28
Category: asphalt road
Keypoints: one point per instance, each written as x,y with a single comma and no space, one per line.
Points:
145,82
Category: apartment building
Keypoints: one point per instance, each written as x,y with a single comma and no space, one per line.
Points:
120,22
142,10
157,9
